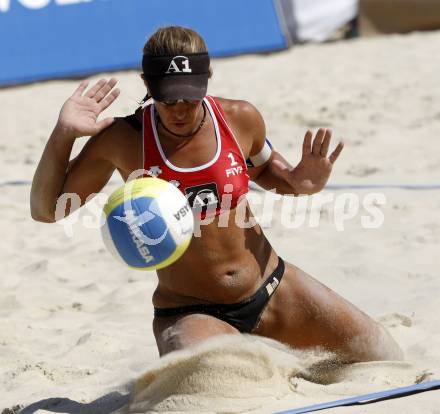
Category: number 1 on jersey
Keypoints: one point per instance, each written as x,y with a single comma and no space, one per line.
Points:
233,162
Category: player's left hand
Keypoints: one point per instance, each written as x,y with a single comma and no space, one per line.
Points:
313,171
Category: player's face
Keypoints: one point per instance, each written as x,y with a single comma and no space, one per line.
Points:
180,117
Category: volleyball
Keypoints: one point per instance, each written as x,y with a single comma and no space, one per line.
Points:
148,224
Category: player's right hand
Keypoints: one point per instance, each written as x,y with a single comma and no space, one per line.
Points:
79,114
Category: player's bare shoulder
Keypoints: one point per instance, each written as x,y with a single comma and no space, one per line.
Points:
120,143
238,110
245,120
121,132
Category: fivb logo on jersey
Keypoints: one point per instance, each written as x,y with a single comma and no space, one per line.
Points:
5,5
179,64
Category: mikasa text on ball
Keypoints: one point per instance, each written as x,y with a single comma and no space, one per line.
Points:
148,223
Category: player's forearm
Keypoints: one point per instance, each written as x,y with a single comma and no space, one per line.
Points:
269,181
269,178
50,175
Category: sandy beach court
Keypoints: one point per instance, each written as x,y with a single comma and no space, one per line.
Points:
75,325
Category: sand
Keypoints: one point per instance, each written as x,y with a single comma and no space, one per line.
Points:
75,325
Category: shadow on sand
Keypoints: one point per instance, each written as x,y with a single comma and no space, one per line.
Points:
104,405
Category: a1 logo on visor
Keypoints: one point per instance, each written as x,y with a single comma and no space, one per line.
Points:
203,198
179,64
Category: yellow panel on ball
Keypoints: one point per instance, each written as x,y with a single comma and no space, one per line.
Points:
141,187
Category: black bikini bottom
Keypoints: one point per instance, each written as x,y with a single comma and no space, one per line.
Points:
244,315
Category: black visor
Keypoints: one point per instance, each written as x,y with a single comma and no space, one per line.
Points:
171,78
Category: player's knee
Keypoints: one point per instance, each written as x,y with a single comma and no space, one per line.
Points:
187,331
389,347
168,338
376,345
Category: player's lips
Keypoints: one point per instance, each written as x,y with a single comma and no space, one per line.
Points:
180,124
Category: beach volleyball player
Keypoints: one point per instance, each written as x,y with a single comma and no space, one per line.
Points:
230,279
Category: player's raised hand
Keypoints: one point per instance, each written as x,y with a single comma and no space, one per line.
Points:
79,114
313,171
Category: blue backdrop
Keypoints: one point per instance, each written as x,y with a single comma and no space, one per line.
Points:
44,39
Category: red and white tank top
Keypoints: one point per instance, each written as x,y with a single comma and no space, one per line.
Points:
210,188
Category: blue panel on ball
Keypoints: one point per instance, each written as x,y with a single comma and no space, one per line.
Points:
122,238
140,234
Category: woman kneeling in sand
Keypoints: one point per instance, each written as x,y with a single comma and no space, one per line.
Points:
230,279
